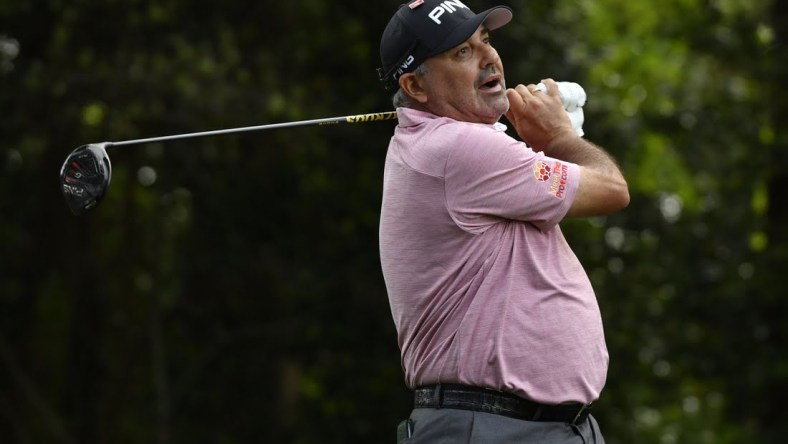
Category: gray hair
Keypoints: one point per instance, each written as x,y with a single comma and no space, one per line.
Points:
401,99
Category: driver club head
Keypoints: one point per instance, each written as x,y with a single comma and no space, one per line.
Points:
85,176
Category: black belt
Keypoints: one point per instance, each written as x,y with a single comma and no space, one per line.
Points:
463,397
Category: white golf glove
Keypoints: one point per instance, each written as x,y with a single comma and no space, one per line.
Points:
573,97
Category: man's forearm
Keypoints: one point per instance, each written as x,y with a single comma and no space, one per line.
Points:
575,149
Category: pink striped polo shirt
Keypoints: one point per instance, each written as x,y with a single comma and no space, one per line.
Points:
483,288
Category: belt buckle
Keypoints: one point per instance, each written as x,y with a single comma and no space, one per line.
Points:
585,408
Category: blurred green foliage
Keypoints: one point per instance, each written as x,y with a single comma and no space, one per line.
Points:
228,289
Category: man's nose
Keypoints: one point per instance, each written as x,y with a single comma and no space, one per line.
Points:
489,56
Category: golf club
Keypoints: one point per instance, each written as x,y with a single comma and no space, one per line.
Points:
87,171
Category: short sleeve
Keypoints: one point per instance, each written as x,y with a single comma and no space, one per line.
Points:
490,176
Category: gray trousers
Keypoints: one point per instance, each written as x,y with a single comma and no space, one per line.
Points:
451,426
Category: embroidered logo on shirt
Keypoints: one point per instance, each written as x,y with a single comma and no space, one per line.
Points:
542,171
558,186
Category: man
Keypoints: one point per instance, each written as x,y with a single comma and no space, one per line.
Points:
499,328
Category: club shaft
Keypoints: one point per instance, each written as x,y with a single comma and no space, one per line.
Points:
359,118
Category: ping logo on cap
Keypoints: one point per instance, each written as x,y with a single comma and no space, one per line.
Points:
448,6
405,65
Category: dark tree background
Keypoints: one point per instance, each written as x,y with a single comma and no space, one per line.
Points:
228,289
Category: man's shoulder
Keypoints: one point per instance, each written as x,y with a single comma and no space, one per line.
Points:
409,117
454,132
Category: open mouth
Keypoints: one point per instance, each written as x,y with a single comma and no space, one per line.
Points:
492,85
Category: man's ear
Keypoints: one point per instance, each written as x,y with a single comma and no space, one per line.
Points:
413,85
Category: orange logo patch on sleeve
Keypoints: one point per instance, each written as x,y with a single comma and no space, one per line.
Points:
542,171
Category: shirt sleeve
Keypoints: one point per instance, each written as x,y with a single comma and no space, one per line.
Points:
490,176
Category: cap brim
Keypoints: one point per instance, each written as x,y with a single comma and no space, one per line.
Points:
496,17
492,18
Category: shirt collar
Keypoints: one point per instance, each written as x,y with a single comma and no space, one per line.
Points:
409,117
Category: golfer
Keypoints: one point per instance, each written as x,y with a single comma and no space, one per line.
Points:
498,326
